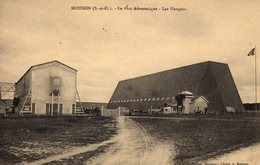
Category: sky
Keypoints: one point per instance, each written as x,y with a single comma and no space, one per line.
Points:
108,46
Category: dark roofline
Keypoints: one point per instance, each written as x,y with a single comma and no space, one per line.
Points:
44,64
173,70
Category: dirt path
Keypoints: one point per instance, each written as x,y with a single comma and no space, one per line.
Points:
134,146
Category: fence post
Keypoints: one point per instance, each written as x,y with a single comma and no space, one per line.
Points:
118,111
102,110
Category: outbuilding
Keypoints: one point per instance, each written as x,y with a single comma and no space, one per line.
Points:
199,104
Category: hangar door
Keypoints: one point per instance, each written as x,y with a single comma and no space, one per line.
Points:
56,109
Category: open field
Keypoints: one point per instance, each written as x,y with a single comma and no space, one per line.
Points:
193,139
30,139
143,139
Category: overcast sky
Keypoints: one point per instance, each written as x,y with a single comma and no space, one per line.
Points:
108,46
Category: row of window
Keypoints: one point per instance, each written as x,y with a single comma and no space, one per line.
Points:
140,100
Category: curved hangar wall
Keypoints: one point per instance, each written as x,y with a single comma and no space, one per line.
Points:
212,80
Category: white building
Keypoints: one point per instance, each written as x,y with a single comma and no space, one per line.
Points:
191,104
169,108
199,105
186,102
48,88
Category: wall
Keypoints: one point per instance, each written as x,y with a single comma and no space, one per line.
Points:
186,104
41,87
201,103
22,88
114,112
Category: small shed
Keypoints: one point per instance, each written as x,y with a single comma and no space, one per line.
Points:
169,108
199,104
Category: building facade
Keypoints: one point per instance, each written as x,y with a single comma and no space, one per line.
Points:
199,105
213,80
48,88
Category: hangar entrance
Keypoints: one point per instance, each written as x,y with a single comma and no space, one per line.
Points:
57,109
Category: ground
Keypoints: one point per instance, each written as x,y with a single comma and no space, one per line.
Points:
129,140
196,139
30,139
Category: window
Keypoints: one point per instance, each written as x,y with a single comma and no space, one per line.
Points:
47,108
145,99
55,109
158,99
33,108
141,99
149,99
60,111
162,98
153,99
73,108
137,100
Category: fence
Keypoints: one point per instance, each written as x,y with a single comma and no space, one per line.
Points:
120,111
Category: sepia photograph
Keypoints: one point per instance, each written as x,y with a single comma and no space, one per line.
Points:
120,82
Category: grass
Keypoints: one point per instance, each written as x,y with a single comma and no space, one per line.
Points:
195,140
30,139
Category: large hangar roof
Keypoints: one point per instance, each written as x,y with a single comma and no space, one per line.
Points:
212,80
46,64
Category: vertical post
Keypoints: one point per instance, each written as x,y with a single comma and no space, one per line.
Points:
255,82
118,111
102,110
58,103
52,104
